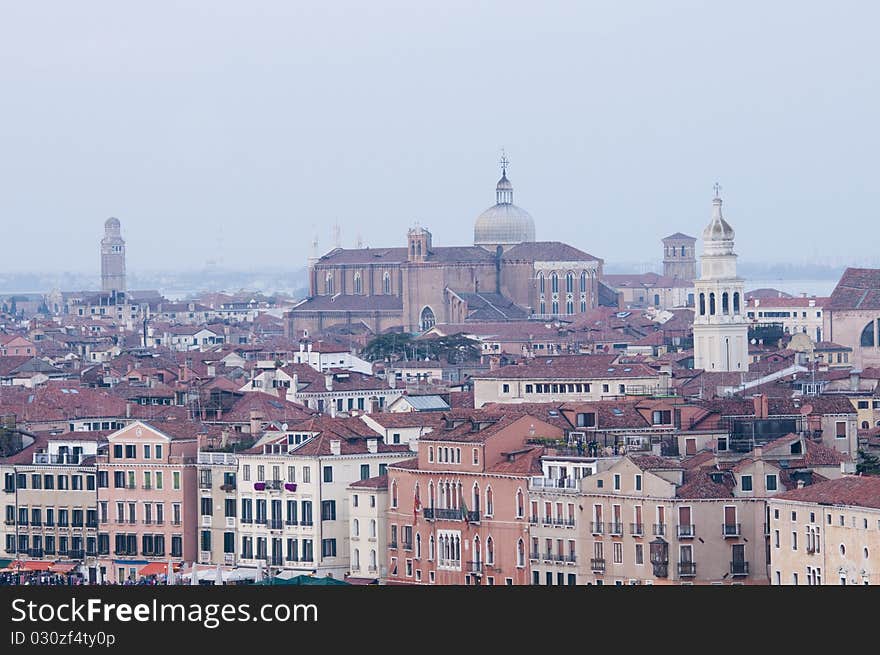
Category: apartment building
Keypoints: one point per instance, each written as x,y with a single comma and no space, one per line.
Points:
457,512
368,530
292,492
827,533
147,488
218,507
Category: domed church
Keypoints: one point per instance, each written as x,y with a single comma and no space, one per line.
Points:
505,275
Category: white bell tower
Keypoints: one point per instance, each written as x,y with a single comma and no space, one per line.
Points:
721,332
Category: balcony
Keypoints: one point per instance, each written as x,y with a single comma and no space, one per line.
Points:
547,557
533,520
276,561
274,485
473,517
597,564
221,459
570,558
46,458
569,485
637,529
597,527
731,530
475,567
687,569
93,525
307,522
686,531
260,520
227,487
659,530
534,556
293,522
276,524
75,554
739,568
35,552
205,484
247,520
615,529
446,514
36,523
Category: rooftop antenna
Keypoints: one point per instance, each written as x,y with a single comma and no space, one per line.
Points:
337,235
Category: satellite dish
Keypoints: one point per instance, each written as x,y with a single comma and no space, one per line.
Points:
284,426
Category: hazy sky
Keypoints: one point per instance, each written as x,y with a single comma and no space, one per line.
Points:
237,130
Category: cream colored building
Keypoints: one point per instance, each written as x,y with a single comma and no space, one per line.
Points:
827,533
367,502
218,507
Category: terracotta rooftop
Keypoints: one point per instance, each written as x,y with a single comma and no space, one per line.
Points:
854,491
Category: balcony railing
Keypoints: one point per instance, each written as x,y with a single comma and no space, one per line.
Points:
447,514
554,484
473,517
533,520
597,564
570,559
306,522
36,523
686,531
46,458
615,528
597,527
637,529
227,459
731,530
534,556
75,554
276,524
291,522
739,568
474,567
35,552
659,529
687,568
205,484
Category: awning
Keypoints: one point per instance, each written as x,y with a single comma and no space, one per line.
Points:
157,568
63,567
30,565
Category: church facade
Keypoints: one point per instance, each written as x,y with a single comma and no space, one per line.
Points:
505,275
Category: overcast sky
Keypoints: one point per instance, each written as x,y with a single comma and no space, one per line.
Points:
236,131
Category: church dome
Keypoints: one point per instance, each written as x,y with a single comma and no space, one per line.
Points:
112,223
504,223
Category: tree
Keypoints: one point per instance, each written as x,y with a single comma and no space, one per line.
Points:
869,464
391,345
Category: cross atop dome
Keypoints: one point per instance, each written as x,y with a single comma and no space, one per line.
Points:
505,162
717,189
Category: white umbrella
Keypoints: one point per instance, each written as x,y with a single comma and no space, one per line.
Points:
260,571
219,579
169,575
195,574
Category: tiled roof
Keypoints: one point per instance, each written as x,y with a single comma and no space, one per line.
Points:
569,368
353,303
858,288
699,484
491,307
854,491
378,482
525,463
546,251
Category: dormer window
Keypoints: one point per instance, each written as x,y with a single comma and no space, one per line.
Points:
796,448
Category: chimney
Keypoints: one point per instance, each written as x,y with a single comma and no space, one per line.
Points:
256,417
761,406
759,452
757,302
854,379
282,393
335,446
328,381
800,484
372,445
127,410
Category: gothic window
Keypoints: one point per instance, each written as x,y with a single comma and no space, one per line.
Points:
386,283
569,282
736,302
868,335
725,307
682,251
358,283
583,281
541,282
712,304
328,285
427,320
702,304
554,282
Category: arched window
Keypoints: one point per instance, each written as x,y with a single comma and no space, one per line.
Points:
490,505
357,559
373,528
702,304
569,282
865,425
725,305
418,545
386,283
736,302
417,499
867,338
656,300
328,284
541,282
458,455
431,547
358,283
520,553
478,551
427,321
475,498
431,453
682,251
555,307
490,551
394,493
372,560
583,281
431,493
554,282
569,306
712,304
355,526
520,504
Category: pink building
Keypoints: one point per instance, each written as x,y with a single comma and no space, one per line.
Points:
147,497
457,513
